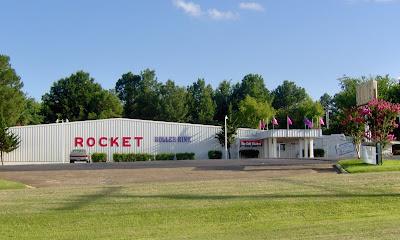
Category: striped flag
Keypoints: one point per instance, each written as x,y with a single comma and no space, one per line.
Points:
275,122
321,121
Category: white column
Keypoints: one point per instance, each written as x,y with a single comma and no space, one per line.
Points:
270,149
265,148
274,145
301,148
311,148
306,148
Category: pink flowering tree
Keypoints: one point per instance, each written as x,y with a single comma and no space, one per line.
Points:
380,116
353,125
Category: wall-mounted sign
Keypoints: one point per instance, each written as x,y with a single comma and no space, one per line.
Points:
173,139
125,141
251,143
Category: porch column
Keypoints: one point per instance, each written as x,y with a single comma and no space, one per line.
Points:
270,149
265,148
301,148
306,148
274,145
311,148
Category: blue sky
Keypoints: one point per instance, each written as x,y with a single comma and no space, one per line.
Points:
310,42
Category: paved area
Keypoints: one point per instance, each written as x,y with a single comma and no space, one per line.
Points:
81,174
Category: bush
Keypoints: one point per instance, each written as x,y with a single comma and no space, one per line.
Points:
319,152
132,157
396,149
185,156
214,154
249,153
99,157
165,156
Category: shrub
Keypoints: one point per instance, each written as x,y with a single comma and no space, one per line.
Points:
319,152
99,157
165,156
249,153
132,157
214,154
143,157
185,156
396,149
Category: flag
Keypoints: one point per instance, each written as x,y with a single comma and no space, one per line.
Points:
289,121
321,121
260,125
274,122
308,123
263,124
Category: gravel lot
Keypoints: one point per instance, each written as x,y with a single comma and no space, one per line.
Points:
82,174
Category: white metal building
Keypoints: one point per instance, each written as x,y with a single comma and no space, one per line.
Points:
52,143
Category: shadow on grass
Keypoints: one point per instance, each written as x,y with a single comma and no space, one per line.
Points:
84,200
112,193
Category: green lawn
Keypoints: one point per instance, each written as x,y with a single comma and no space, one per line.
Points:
10,185
318,206
358,166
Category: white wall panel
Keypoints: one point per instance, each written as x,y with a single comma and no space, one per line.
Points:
52,143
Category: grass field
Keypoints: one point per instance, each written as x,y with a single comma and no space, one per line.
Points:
323,206
10,185
358,166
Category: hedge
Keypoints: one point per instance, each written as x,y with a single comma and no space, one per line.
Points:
214,154
249,153
132,157
185,156
99,157
165,156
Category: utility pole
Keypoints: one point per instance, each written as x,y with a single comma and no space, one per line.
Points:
226,139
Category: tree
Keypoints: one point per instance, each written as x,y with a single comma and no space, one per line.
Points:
353,125
174,106
31,115
326,101
12,99
140,95
252,85
8,140
222,98
251,112
77,98
127,89
288,95
201,104
231,127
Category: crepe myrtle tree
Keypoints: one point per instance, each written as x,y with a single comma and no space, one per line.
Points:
380,116
8,140
353,124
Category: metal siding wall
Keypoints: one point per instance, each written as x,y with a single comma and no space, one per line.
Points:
52,143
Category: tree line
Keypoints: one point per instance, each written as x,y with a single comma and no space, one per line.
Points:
142,96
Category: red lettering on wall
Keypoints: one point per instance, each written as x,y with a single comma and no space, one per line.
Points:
91,142
138,139
114,142
103,142
125,141
78,142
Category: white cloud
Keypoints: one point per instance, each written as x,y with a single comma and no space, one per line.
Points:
189,8
221,15
251,6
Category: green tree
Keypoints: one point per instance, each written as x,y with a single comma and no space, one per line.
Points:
326,101
174,106
31,114
12,99
252,111
8,140
77,98
201,104
288,95
140,95
222,98
127,89
252,85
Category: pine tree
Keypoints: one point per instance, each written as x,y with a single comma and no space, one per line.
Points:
8,140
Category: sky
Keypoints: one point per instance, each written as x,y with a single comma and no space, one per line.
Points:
310,42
